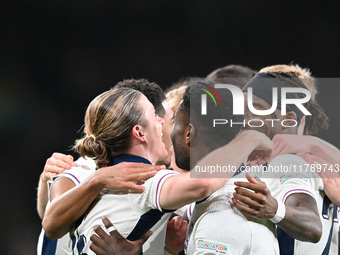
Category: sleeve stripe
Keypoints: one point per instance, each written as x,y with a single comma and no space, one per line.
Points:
190,209
157,189
296,191
71,175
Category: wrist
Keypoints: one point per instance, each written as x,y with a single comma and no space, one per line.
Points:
280,213
43,178
313,146
98,180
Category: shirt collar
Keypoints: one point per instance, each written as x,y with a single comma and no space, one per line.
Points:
129,158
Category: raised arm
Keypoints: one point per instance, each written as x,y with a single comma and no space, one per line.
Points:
284,144
70,202
55,165
180,190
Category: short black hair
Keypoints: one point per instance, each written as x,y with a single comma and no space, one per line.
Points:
151,90
220,134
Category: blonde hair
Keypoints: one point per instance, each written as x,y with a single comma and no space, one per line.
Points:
109,120
303,74
174,97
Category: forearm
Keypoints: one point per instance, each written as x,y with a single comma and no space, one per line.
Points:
67,208
181,190
198,185
233,154
324,150
42,198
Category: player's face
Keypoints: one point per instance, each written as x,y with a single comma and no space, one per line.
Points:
269,128
181,149
167,128
153,130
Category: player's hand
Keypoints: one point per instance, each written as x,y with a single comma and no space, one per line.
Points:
55,165
175,235
114,243
127,175
254,198
329,173
288,143
263,148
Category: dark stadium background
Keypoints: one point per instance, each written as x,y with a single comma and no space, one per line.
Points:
56,56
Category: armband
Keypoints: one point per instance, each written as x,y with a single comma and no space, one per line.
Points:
280,213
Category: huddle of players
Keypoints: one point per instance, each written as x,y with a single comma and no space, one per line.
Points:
229,216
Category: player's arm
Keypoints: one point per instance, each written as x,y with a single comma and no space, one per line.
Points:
55,165
69,202
330,175
301,220
288,143
180,190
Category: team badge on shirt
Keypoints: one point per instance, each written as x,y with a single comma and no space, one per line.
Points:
287,177
212,246
85,167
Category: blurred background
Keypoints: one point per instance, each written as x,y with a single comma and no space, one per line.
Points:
56,56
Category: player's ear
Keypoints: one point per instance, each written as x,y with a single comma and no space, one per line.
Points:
138,133
190,133
290,120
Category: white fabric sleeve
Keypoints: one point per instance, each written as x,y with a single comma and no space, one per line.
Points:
298,180
80,172
149,199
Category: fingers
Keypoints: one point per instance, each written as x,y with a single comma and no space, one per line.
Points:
251,179
107,222
98,240
143,239
101,234
48,176
177,222
310,159
128,176
94,246
184,226
243,208
265,143
248,197
301,127
142,176
57,164
259,157
133,187
51,170
278,149
181,235
259,187
62,157
113,233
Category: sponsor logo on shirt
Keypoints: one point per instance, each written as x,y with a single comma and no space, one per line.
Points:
219,248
